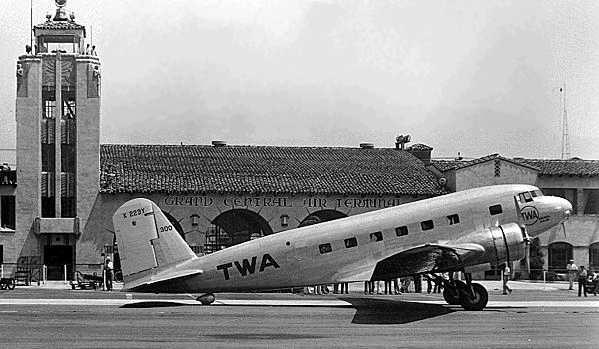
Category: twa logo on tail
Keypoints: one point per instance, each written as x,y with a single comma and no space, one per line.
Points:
530,215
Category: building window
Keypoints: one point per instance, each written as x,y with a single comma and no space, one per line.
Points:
453,219
7,216
351,242
325,248
401,231
49,107
376,236
495,209
591,202
559,255
427,225
196,249
594,256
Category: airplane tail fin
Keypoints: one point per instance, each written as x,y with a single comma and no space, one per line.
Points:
147,241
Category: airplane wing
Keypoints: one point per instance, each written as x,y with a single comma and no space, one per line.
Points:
434,257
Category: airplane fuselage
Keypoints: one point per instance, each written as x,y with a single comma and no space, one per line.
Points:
348,249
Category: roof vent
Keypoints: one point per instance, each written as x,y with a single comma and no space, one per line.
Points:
367,145
219,143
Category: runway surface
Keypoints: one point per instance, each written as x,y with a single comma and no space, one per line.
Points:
60,318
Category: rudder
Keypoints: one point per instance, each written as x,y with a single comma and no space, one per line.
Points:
146,239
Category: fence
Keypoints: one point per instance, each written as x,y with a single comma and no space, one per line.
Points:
31,273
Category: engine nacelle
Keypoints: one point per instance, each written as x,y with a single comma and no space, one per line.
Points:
502,243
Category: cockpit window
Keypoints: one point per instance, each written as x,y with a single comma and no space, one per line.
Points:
536,193
525,197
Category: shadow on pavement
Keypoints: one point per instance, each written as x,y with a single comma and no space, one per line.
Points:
385,311
154,304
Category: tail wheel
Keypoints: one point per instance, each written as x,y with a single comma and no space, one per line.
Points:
451,294
206,299
478,302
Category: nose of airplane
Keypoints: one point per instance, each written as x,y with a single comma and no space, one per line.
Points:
566,207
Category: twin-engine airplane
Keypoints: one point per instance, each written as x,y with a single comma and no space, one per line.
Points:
455,232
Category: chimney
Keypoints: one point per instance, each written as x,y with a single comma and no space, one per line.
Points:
218,144
401,140
422,152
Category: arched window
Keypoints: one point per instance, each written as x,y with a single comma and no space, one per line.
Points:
594,256
559,255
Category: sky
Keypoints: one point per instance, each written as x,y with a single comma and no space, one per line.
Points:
475,77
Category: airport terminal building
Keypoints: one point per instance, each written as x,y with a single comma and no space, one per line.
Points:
57,205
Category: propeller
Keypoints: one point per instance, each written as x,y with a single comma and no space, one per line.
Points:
525,235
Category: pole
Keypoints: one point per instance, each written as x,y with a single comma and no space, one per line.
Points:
544,278
65,274
31,26
1,270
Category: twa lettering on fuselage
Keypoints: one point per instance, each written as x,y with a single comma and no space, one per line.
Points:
530,214
247,267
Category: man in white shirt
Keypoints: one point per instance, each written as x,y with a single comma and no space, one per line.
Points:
572,271
507,272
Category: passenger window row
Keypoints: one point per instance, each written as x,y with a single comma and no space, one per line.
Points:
403,230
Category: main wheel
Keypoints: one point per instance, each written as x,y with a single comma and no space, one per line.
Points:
478,302
11,284
452,294
206,299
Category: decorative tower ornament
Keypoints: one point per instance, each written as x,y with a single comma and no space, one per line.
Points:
61,13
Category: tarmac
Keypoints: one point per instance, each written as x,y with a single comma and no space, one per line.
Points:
533,316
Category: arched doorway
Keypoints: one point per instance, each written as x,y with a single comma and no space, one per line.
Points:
559,255
234,227
594,256
321,216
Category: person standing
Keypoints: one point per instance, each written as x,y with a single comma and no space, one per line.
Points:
108,269
507,272
582,279
572,270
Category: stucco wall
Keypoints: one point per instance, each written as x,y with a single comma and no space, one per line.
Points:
483,174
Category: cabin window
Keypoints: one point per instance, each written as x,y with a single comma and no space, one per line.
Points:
495,209
351,242
325,248
376,236
536,193
401,231
427,225
453,219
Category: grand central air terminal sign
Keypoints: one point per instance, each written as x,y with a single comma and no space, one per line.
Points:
277,201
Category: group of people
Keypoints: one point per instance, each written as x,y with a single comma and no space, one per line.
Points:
583,277
391,286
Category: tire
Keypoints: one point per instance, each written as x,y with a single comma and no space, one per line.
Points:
11,284
479,302
3,286
206,299
452,294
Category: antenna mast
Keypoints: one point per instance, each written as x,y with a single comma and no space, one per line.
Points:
565,136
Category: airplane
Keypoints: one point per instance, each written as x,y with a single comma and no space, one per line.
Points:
462,231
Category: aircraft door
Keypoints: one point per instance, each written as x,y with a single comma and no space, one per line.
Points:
299,260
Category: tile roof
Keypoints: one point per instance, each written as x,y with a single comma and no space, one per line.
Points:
446,165
571,167
59,25
262,169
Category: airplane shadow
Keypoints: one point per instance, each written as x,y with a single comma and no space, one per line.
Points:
385,311
155,304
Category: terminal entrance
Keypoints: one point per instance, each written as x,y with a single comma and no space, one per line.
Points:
55,258
234,227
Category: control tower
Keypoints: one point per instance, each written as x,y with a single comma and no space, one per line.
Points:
58,144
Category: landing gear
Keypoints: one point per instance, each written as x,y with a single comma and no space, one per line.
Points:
471,296
206,299
475,301
451,291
